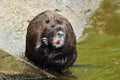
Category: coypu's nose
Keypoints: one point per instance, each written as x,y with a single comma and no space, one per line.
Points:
57,41
60,33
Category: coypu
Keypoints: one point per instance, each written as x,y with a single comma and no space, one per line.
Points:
51,42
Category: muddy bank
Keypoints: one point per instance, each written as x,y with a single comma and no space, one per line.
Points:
15,68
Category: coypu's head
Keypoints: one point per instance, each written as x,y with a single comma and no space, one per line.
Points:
55,26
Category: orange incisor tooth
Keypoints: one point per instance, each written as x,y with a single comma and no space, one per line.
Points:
58,42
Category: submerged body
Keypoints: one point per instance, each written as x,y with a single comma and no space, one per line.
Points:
51,42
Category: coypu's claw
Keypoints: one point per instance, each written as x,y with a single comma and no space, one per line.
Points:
44,41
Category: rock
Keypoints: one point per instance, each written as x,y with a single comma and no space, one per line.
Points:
15,16
12,68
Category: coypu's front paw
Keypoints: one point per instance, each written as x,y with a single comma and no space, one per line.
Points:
44,41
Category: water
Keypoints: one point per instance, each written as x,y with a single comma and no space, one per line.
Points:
98,55
107,18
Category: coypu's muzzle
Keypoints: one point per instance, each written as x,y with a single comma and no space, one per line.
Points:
59,39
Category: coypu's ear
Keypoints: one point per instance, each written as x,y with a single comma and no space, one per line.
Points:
68,27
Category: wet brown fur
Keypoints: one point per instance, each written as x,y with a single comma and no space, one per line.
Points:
39,27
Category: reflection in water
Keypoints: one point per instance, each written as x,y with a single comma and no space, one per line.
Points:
90,66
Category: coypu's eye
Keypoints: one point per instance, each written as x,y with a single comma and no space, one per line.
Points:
47,21
52,26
